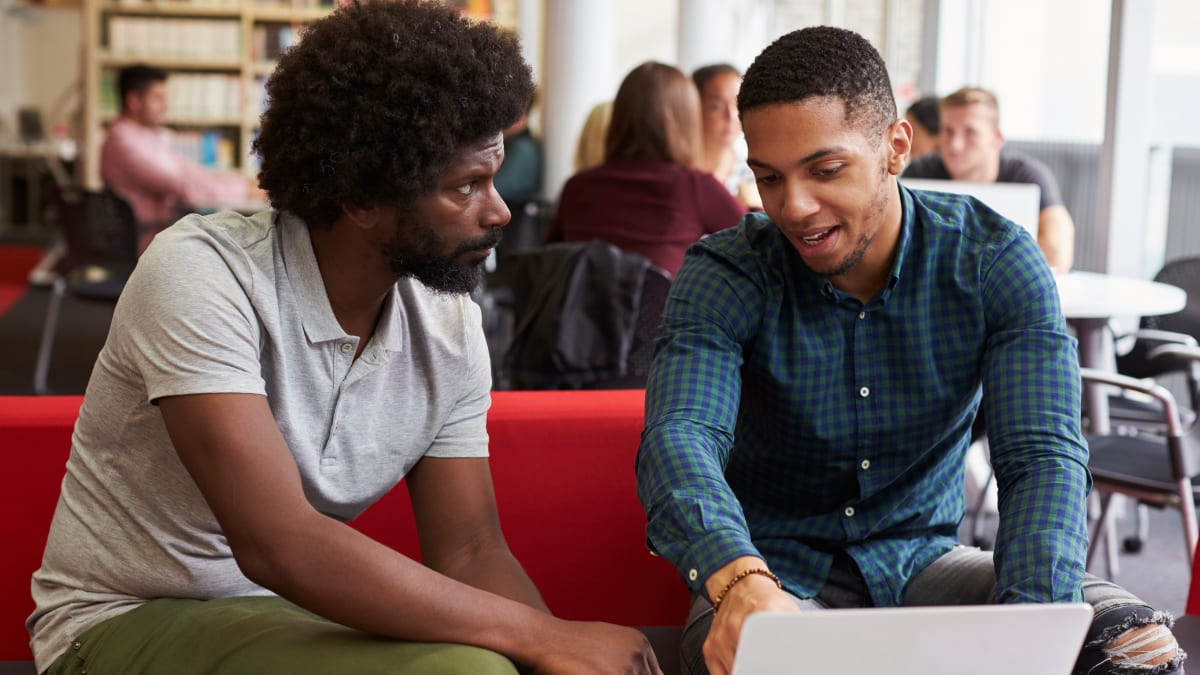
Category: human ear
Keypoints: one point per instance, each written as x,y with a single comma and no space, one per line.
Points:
899,141
364,218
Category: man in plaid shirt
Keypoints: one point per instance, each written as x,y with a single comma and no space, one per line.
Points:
820,368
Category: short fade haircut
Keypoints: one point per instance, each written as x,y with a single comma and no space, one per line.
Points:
377,99
136,79
818,62
926,112
971,96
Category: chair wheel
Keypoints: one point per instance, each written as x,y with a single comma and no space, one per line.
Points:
1132,545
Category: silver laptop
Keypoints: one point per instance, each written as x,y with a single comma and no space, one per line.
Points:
1019,202
978,639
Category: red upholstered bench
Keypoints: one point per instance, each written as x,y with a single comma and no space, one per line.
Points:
562,463
1187,627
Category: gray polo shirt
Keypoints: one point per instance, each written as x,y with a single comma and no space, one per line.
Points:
225,303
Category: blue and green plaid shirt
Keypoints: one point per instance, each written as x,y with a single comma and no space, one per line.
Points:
788,420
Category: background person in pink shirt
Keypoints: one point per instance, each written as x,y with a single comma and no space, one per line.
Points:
140,165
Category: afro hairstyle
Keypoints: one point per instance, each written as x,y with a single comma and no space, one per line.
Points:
377,99
818,62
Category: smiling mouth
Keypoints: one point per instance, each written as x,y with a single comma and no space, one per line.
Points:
815,239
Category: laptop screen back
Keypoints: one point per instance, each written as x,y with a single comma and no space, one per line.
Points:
978,639
1019,202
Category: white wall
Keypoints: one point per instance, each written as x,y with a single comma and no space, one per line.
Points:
52,53
41,65
1048,64
1175,64
12,75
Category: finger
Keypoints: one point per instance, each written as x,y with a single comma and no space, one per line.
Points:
713,659
652,663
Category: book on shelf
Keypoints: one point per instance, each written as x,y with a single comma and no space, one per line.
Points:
210,149
174,38
269,41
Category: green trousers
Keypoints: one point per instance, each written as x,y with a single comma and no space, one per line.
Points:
256,635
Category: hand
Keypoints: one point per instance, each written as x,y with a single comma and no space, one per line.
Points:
597,648
755,593
254,192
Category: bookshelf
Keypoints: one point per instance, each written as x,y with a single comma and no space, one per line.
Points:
218,54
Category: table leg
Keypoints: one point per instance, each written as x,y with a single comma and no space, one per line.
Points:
1096,351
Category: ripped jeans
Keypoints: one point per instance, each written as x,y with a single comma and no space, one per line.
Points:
967,576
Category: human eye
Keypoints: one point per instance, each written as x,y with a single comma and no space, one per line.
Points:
766,179
466,188
827,170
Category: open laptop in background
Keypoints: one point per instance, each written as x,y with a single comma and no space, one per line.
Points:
1019,202
978,639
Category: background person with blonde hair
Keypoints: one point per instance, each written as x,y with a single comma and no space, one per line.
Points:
970,148
589,151
648,197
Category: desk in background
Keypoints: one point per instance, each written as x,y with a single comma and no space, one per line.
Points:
1089,300
32,159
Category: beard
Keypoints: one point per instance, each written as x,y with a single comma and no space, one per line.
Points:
414,252
876,212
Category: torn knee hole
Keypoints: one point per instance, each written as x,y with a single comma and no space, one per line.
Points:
1141,645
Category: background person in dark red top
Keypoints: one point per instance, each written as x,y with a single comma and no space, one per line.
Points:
648,197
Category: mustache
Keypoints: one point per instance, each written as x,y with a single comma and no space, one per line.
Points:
490,240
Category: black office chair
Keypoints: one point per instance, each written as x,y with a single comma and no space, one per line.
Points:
1152,354
585,316
1156,469
101,237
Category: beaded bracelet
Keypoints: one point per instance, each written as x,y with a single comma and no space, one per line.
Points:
742,575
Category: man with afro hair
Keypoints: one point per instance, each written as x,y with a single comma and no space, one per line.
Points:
267,378
813,391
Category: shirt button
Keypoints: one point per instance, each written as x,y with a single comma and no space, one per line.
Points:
862,315
866,464
864,392
347,347
849,511
693,575
76,646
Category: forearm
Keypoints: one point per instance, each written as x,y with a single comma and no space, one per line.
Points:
694,519
494,569
335,571
1041,543
1056,237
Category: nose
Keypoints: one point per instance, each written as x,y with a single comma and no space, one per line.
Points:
495,212
950,142
799,204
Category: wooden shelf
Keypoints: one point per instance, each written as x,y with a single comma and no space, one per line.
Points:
181,22
181,9
172,63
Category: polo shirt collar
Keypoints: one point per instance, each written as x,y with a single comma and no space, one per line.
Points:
304,276
316,314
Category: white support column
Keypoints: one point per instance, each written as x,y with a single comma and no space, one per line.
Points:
1124,186
705,33
959,45
931,38
580,71
529,27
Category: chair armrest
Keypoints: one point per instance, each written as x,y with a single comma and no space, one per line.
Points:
1179,351
1155,391
1159,335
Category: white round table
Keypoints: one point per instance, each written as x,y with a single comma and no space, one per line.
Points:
1089,300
